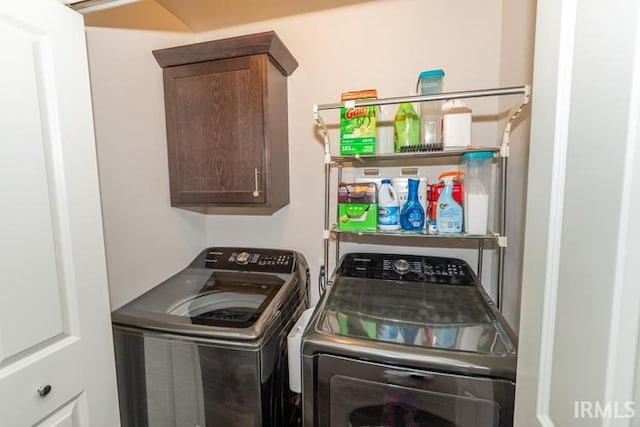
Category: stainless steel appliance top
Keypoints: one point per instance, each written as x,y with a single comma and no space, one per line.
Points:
414,310
223,293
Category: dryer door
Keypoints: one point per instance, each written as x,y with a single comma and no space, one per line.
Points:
357,393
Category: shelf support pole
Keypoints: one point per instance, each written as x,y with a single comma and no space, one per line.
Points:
480,256
502,226
337,236
327,232
327,185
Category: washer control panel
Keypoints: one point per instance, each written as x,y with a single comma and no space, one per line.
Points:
258,260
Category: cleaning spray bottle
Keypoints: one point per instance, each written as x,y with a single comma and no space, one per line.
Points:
449,212
412,214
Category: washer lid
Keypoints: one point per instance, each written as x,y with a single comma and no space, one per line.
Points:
205,302
427,315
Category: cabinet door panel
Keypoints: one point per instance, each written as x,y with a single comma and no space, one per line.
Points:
215,131
73,414
28,203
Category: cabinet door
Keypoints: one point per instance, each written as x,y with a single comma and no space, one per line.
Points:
215,131
56,352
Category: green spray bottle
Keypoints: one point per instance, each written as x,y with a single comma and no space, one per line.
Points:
406,128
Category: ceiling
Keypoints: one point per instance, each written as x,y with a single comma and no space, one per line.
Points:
203,15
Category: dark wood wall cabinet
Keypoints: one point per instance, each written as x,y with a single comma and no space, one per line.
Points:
227,126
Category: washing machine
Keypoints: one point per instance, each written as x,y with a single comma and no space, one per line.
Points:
207,347
402,340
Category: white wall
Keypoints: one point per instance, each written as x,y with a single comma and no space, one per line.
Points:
516,68
146,240
400,39
382,45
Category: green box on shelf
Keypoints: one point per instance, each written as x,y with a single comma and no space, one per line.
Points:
357,208
357,216
358,125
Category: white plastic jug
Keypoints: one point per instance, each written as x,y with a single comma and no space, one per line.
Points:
388,207
456,124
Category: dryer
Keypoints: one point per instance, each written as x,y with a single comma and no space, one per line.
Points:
207,347
402,340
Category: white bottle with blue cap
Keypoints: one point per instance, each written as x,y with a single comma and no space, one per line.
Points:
388,207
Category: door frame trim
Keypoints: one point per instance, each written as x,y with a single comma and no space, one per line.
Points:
567,29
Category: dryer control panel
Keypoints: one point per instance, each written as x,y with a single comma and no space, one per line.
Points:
410,268
249,259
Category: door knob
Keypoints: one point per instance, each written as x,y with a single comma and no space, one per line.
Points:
44,390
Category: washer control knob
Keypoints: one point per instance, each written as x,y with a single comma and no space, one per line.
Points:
402,266
243,258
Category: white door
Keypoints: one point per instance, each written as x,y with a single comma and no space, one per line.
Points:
578,353
55,330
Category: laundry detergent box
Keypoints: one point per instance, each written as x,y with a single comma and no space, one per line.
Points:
357,208
358,124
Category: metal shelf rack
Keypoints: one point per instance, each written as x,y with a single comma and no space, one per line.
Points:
502,151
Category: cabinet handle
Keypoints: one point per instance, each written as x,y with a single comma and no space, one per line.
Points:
256,191
44,390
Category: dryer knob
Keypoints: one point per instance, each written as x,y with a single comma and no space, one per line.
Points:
402,266
243,258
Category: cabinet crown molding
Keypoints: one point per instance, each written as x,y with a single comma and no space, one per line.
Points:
252,44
